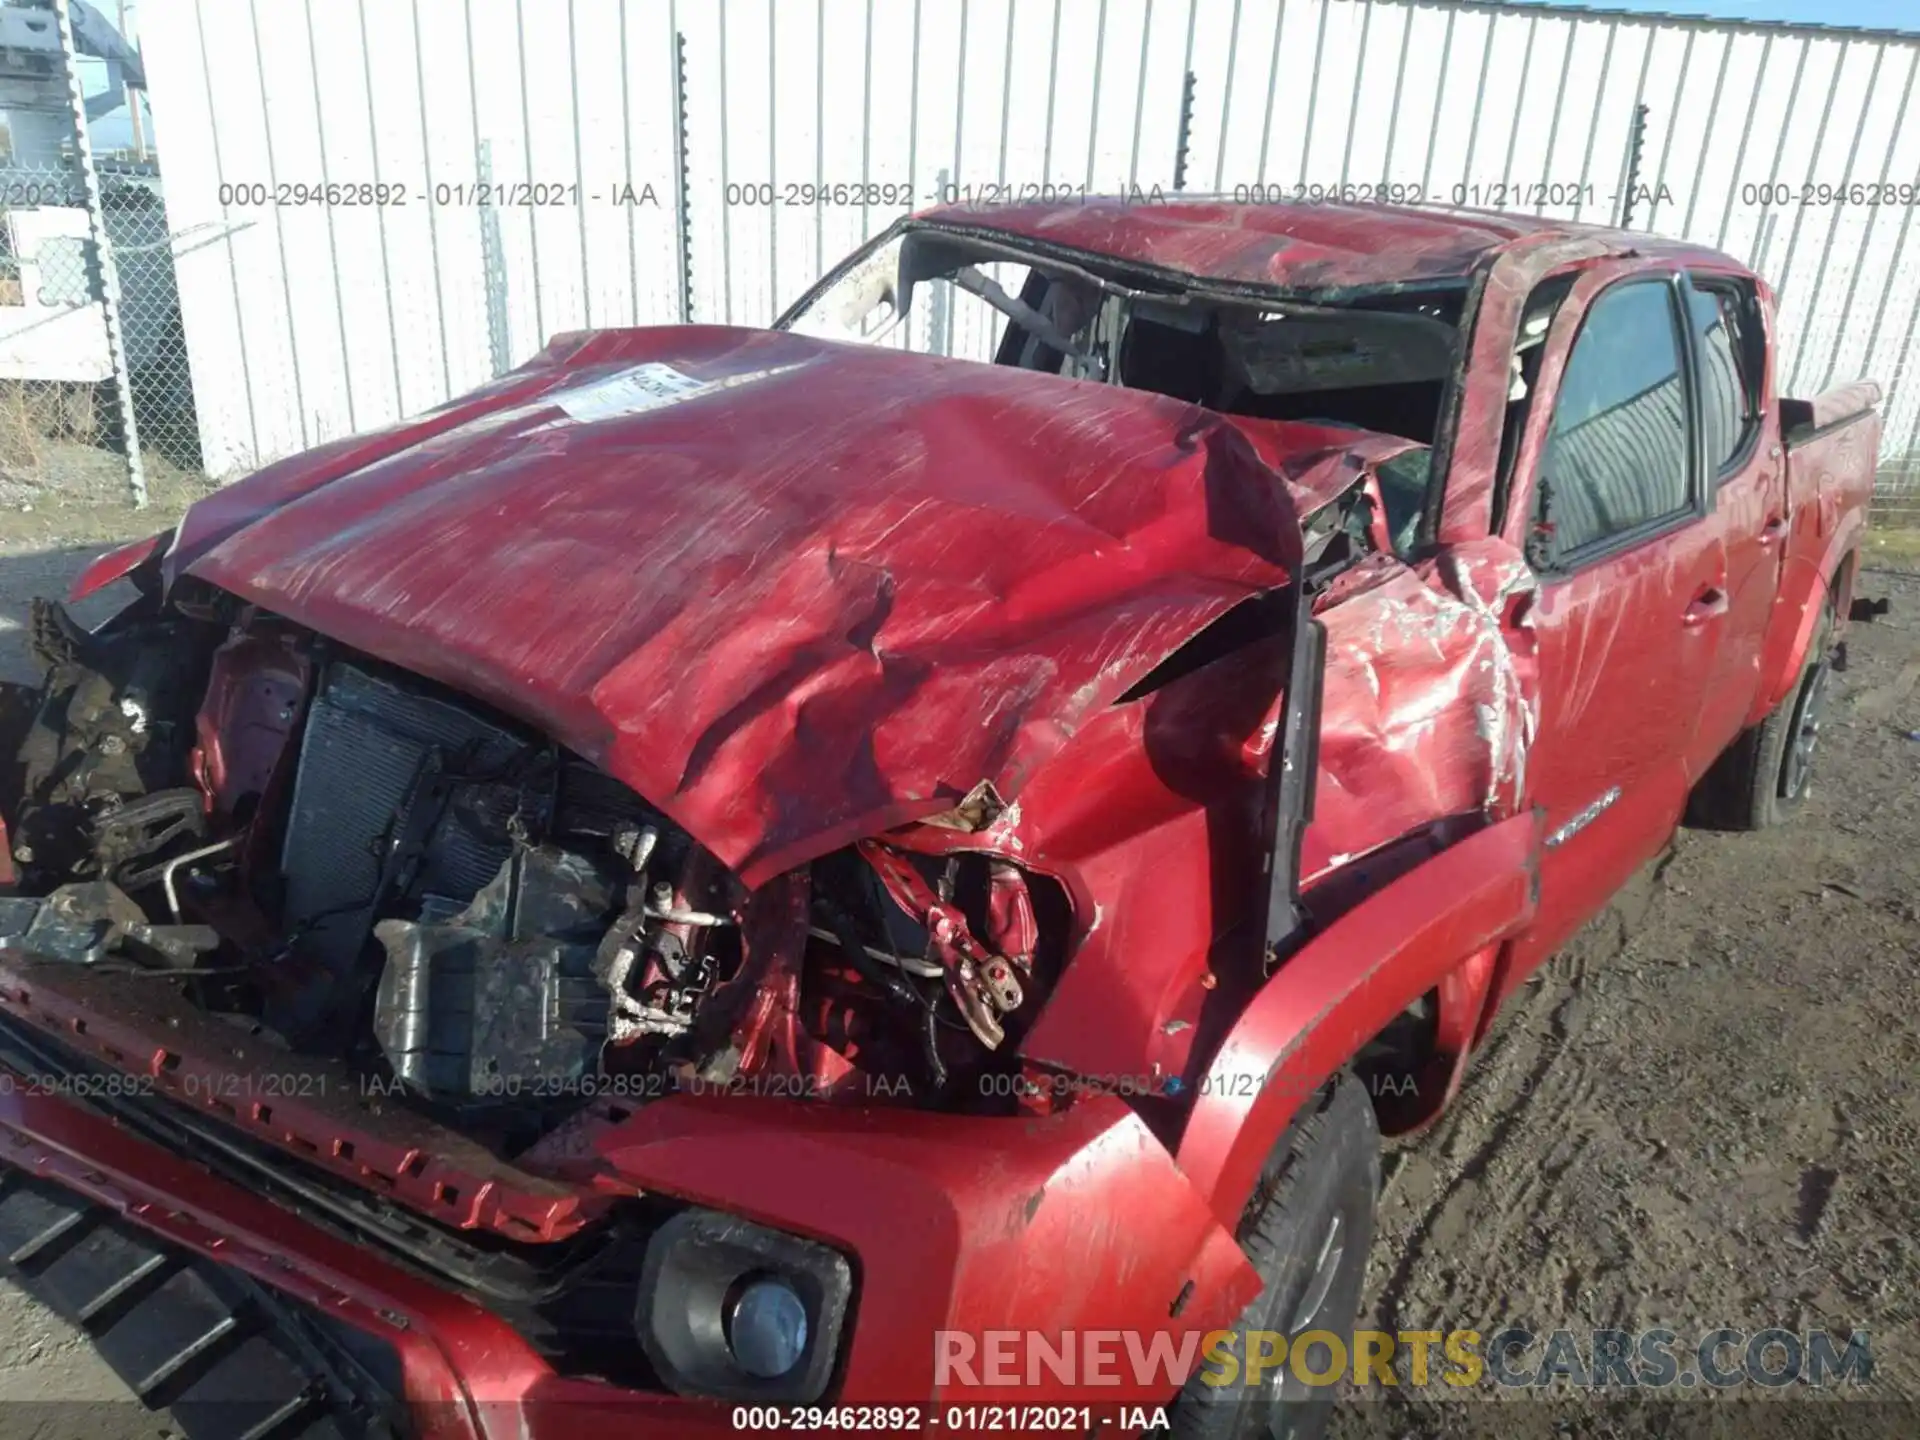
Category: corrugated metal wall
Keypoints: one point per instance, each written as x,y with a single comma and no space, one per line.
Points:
342,263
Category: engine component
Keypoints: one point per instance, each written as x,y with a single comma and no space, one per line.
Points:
653,960
129,831
500,1002
405,802
80,923
86,922
111,729
380,759
984,985
673,980
256,698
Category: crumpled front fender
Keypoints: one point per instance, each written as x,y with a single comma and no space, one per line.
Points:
1341,989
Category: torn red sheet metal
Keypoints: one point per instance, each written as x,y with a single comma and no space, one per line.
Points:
1303,248
1430,701
792,592
1295,247
1320,463
256,695
984,985
103,570
1429,710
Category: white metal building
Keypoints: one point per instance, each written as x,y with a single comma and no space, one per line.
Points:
312,312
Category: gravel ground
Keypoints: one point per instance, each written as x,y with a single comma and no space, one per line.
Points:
1701,1115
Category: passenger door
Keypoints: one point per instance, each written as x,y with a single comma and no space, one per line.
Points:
1633,594
1747,485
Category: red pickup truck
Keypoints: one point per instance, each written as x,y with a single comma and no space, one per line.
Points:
716,879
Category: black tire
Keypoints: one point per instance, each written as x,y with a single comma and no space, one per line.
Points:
1765,775
1307,1231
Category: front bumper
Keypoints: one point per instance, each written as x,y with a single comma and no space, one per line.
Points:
225,1355
1076,1224
183,1283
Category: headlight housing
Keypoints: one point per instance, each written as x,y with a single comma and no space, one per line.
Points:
734,1310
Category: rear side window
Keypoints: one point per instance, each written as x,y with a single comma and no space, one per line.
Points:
1616,457
1729,384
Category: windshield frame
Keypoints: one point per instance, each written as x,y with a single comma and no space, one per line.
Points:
1163,285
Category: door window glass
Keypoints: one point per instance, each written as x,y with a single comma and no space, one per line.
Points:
1616,456
1729,396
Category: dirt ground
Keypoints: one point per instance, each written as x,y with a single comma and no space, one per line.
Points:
1703,1114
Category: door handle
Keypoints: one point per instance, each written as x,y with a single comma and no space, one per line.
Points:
1773,531
1710,602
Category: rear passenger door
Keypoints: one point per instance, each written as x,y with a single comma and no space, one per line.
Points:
1747,493
1633,593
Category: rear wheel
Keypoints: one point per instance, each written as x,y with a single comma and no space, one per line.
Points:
1766,773
1801,735
1307,1231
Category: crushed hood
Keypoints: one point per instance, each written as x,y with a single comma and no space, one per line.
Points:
790,591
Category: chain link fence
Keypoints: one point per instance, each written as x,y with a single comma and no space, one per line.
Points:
58,381
55,360
93,357
56,376
161,379
1896,496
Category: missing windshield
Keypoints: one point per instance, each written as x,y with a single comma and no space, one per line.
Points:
1380,363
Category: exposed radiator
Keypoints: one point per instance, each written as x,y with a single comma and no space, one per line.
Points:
367,741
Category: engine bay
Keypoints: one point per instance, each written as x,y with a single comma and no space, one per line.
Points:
346,862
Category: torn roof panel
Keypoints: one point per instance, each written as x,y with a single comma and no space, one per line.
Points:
1295,247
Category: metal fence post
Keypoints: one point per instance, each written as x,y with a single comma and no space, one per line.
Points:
940,319
109,275
1184,146
1630,179
682,182
493,264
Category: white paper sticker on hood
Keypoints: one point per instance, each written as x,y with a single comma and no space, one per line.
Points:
628,392
651,386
